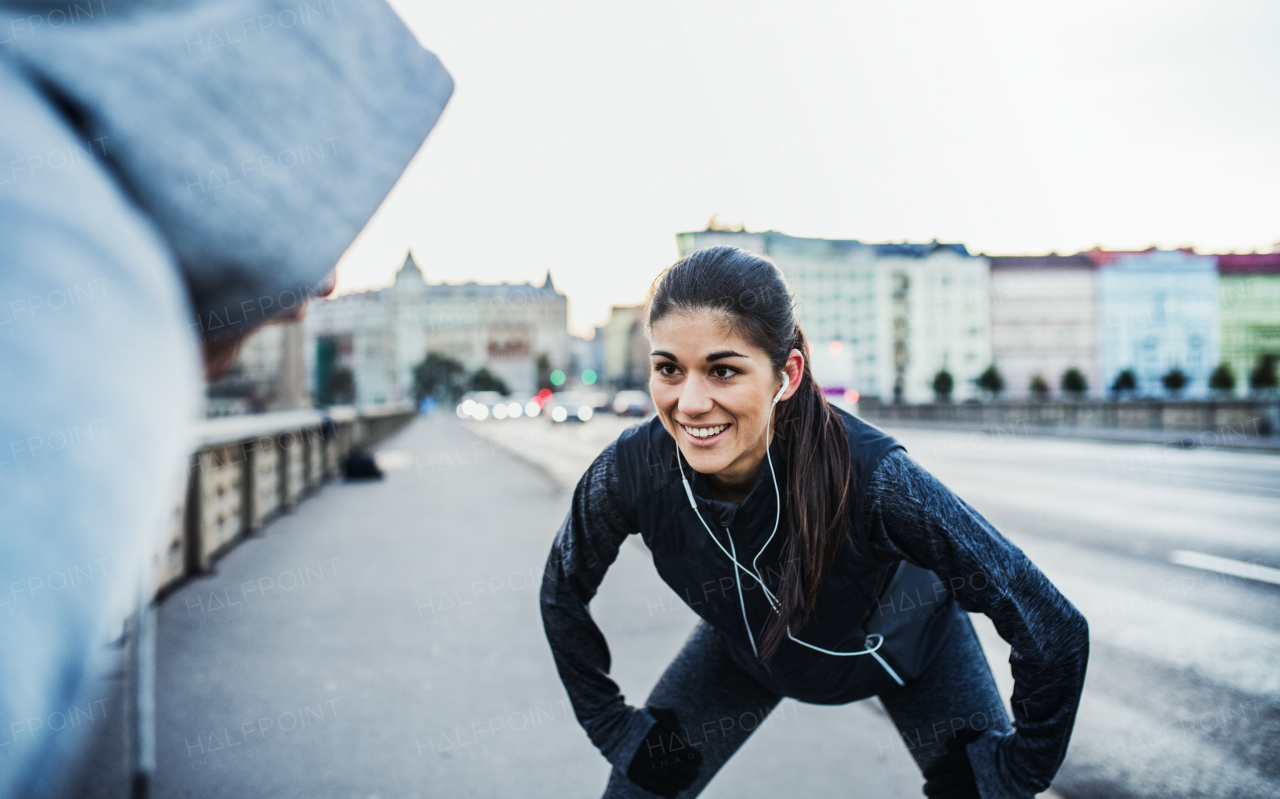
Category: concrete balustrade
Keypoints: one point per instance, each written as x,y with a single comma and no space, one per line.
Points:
1242,420
247,470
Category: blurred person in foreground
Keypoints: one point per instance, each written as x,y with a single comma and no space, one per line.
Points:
826,565
171,177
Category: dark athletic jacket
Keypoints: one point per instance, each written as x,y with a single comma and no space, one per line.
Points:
899,512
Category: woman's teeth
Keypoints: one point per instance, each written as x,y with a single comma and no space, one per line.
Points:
705,432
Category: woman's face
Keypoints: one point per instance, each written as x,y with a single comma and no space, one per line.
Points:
714,391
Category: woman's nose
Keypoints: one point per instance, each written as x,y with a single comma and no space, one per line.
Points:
695,398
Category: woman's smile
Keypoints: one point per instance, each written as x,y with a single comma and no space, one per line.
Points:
705,435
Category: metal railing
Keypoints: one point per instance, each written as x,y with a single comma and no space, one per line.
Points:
1244,418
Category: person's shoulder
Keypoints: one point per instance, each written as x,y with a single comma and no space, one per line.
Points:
647,434
868,446
866,436
645,456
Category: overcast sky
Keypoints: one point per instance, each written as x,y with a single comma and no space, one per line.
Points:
582,136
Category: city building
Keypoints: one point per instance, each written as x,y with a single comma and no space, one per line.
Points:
267,376
1157,311
1249,310
881,319
586,355
379,337
625,348
1044,320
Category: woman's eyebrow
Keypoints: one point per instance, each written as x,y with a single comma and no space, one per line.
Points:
717,355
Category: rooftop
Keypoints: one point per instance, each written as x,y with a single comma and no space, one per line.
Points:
1249,263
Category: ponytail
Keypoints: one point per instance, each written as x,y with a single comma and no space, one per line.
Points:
817,451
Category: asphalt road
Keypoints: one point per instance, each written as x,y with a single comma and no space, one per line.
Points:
1183,693
384,639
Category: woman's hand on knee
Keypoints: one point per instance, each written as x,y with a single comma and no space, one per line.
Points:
951,776
665,763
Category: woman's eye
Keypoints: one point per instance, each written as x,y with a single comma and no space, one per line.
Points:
665,369
724,372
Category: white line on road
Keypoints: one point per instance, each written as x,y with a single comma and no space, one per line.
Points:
1235,568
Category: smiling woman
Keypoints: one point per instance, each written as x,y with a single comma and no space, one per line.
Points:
795,530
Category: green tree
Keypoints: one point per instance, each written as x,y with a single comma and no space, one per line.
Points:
1125,381
1264,376
942,385
484,380
1175,380
438,376
991,381
1039,388
1223,378
1074,382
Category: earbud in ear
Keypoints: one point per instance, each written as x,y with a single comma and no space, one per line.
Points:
786,381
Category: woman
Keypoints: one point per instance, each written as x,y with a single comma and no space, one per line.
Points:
825,564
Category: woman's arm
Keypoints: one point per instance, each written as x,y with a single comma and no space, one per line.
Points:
912,516
587,544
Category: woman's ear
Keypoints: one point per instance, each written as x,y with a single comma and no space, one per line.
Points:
794,368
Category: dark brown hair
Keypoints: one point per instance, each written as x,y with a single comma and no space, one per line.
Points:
750,293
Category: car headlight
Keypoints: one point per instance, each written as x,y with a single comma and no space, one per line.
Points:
514,410
532,409
500,411
584,413
479,412
559,414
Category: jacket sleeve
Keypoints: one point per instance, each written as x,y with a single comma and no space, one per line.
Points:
260,161
585,546
910,515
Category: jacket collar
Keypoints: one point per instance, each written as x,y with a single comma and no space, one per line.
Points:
758,503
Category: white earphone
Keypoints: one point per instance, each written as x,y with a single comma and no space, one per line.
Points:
786,381
754,571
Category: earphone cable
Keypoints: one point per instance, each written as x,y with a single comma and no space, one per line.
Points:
871,649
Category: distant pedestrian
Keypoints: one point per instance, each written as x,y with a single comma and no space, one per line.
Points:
826,565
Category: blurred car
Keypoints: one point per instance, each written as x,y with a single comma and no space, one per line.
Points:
480,405
569,407
632,403
598,400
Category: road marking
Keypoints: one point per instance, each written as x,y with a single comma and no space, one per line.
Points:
1235,568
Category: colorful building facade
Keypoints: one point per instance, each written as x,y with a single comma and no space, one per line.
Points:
1249,309
1157,311
1044,320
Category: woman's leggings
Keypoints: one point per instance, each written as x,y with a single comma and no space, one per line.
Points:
720,705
